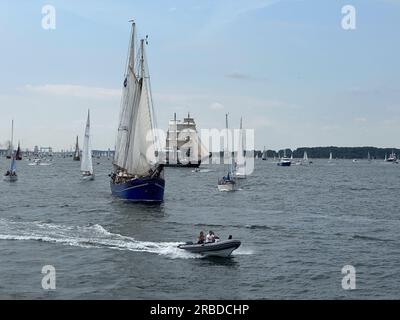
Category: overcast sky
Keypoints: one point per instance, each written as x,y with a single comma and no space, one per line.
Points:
287,67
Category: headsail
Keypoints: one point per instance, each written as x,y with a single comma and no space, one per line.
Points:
86,163
13,167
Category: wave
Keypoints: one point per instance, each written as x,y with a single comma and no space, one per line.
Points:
370,238
94,236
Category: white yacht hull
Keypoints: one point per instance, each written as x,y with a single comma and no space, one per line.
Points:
227,187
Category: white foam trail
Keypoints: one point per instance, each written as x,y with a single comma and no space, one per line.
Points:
86,237
242,251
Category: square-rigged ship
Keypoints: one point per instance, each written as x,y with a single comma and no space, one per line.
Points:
183,146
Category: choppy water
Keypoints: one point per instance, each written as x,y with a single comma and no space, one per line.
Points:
299,226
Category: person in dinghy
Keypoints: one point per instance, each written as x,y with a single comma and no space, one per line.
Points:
211,245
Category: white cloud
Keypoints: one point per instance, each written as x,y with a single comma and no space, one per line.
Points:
216,106
76,91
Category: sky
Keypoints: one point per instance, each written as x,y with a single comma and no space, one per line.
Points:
286,66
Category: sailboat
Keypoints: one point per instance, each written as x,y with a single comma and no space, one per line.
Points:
18,154
76,153
330,157
11,174
86,163
369,157
228,182
264,154
240,164
137,173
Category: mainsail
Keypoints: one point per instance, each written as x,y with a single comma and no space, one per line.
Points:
305,156
86,162
135,151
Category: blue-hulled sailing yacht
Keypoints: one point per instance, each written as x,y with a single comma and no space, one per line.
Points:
137,174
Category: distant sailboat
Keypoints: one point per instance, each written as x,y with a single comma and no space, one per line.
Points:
76,153
264,154
228,182
137,174
240,171
11,174
330,156
18,155
369,157
86,163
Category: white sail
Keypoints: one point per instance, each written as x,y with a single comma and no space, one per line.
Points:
330,156
135,145
86,162
305,157
129,99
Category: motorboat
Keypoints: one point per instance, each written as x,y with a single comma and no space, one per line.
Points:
285,162
219,248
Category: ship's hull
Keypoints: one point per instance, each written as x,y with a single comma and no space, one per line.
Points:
181,165
140,190
284,164
227,186
212,249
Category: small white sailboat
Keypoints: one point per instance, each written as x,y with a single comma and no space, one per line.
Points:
87,163
369,157
11,174
240,164
228,182
330,157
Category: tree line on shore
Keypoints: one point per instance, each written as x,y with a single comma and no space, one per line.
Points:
337,152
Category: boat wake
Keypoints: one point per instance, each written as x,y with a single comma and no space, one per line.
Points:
94,236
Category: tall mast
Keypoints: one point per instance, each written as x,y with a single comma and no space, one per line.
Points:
131,61
142,58
12,136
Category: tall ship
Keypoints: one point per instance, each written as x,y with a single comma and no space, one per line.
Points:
183,146
137,175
